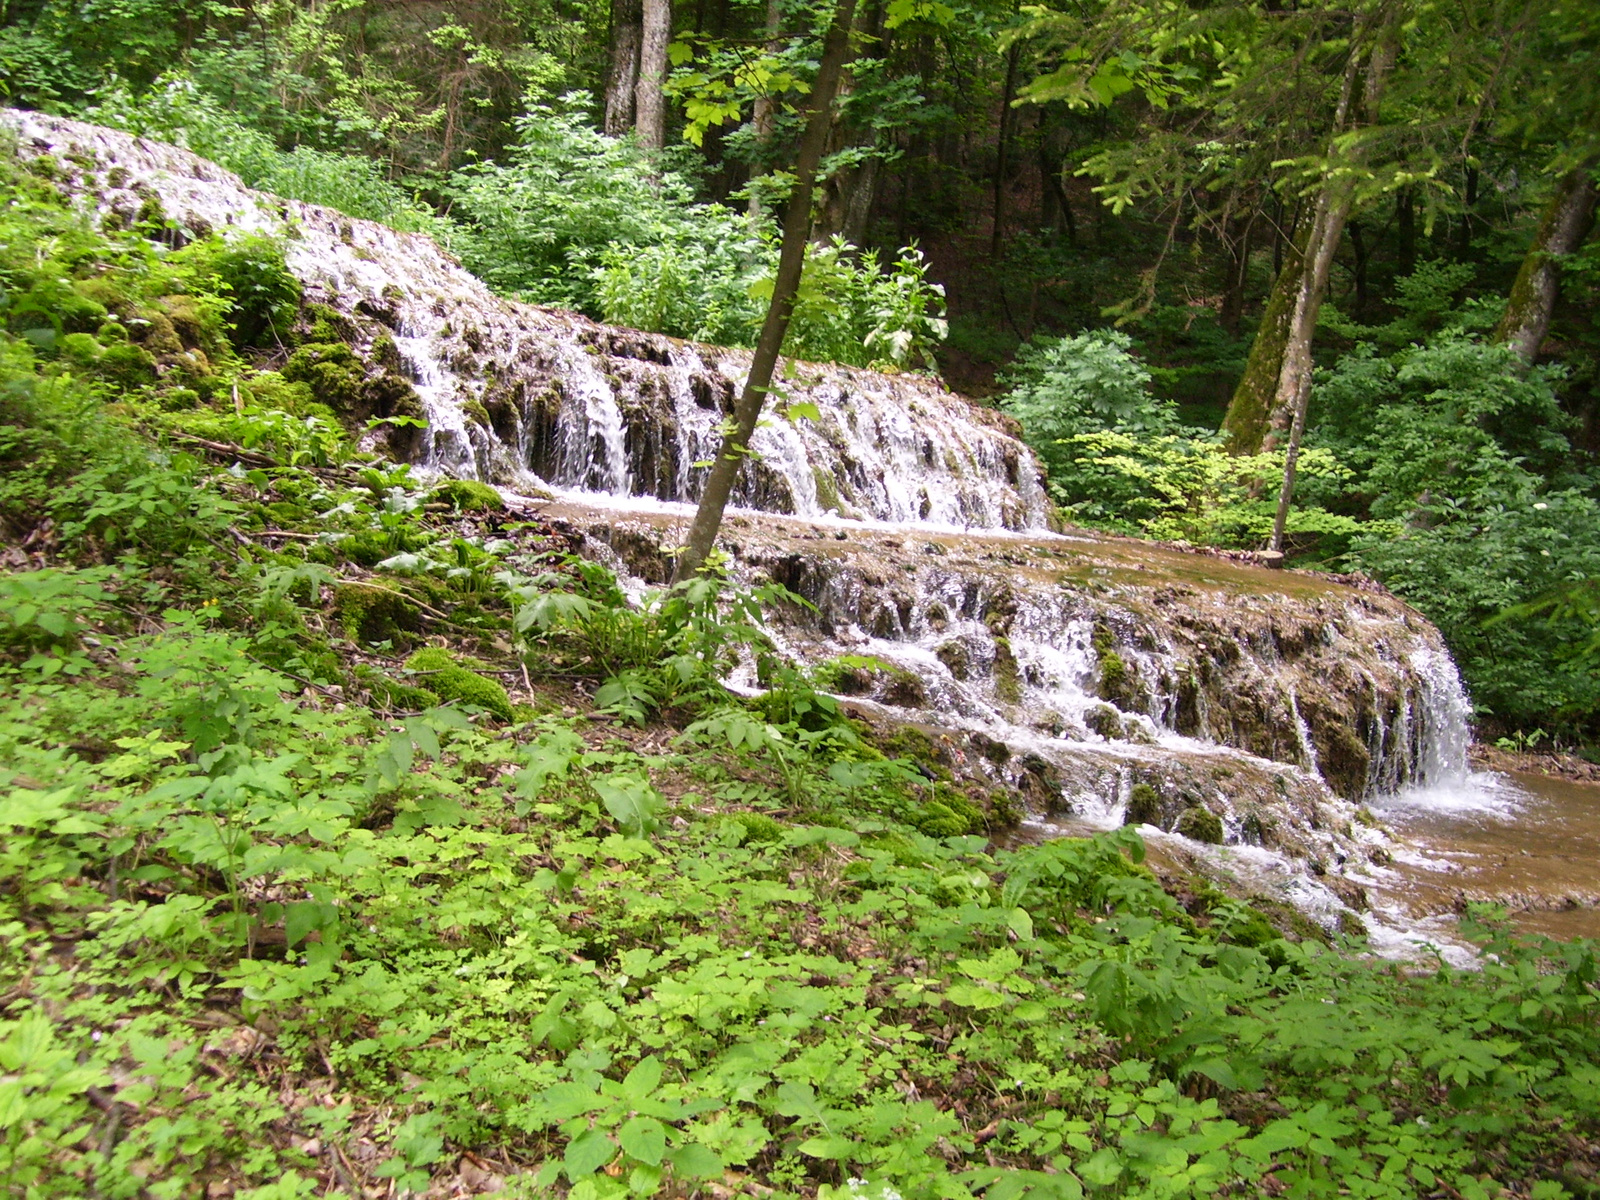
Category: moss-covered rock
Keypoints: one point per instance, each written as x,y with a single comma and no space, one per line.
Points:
909,742
1144,806
126,364
440,672
332,372
80,349
1104,720
1200,824
1007,675
1114,680
955,657
155,333
468,495
374,614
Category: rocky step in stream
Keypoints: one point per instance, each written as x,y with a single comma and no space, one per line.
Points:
534,397
1112,681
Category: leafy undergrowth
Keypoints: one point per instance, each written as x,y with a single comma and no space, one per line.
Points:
357,839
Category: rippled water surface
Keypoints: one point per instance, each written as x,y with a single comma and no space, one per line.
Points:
1526,841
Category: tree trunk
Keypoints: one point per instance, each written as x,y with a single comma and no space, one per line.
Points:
1358,243
1251,406
1232,312
791,261
1055,209
1565,224
1293,394
856,213
649,103
1469,196
625,19
1406,219
764,111
1277,375
997,238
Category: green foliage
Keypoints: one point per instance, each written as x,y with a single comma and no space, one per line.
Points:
1465,452
589,222
765,948
1119,458
263,297
673,648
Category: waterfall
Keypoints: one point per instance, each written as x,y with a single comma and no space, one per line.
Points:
1444,718
1083,665
523,396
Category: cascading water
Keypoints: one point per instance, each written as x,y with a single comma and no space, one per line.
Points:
530,397
1078,667
1445,733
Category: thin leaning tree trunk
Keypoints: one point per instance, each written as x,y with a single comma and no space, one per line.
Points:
1563,227
1293,394
791,261
649,100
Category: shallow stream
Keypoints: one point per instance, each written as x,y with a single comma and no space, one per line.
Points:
1529,842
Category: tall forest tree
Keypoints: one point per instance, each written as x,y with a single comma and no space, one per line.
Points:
627,17
649,97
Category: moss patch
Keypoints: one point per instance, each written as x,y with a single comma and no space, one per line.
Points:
468,495
374,614
1201,825
1144,806
440,672
391,693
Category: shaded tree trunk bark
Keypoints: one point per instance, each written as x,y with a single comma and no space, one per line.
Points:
1293,394
1566,222
649,103
1358,243
1277,375
1406,220
1238,276
997,238
626,16
791,261
1055,209
763,111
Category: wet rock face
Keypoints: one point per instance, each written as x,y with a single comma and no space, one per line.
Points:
1079,642
525,396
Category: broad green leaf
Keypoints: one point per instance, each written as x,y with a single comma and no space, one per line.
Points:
587,1153
972,995
695,1161
643,1138
643,1080
631,801
827,1146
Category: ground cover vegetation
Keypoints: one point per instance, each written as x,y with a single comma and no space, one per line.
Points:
360,839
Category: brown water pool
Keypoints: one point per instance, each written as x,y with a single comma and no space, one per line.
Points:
1525,841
